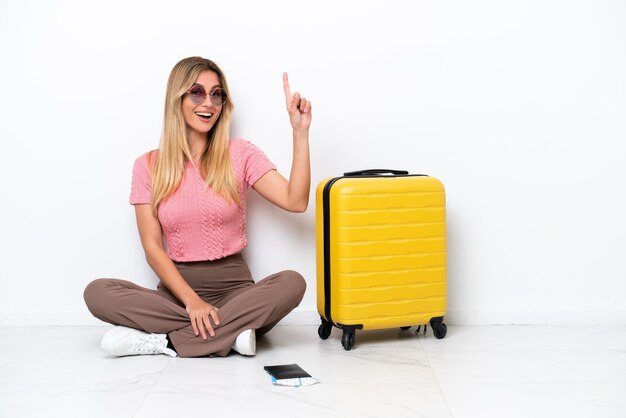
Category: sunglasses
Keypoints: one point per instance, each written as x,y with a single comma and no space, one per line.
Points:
198,94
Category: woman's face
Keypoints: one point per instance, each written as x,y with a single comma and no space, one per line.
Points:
200,118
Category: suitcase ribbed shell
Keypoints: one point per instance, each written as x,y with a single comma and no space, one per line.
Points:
386,238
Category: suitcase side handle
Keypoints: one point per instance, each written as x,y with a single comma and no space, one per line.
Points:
375,171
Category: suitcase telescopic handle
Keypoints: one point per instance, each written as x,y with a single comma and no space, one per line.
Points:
375,172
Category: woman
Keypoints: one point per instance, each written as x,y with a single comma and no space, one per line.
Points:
191,193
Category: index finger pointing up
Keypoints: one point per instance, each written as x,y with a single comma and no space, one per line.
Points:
286,87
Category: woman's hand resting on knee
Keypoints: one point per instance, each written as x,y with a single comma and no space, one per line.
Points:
199,313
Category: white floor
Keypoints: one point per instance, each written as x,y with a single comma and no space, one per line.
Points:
491,371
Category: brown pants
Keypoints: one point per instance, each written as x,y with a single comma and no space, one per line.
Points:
225,283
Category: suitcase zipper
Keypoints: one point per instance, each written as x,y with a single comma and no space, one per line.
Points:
326,217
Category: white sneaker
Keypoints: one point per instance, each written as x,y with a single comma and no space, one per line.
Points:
124,341
245,344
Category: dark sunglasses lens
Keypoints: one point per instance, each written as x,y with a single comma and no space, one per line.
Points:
218,96
197,94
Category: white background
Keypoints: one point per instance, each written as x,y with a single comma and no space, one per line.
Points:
518,107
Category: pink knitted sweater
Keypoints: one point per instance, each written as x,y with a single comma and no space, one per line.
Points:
198,224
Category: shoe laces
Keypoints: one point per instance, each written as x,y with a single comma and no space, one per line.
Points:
148,344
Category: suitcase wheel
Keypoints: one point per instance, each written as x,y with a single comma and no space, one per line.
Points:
347,339
440,330
324,329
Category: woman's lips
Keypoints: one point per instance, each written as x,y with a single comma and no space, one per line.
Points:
204,116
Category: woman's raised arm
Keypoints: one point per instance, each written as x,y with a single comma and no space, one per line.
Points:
292,194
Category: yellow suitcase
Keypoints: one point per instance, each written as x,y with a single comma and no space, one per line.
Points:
381,252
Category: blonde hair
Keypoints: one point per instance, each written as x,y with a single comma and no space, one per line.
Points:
168,165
